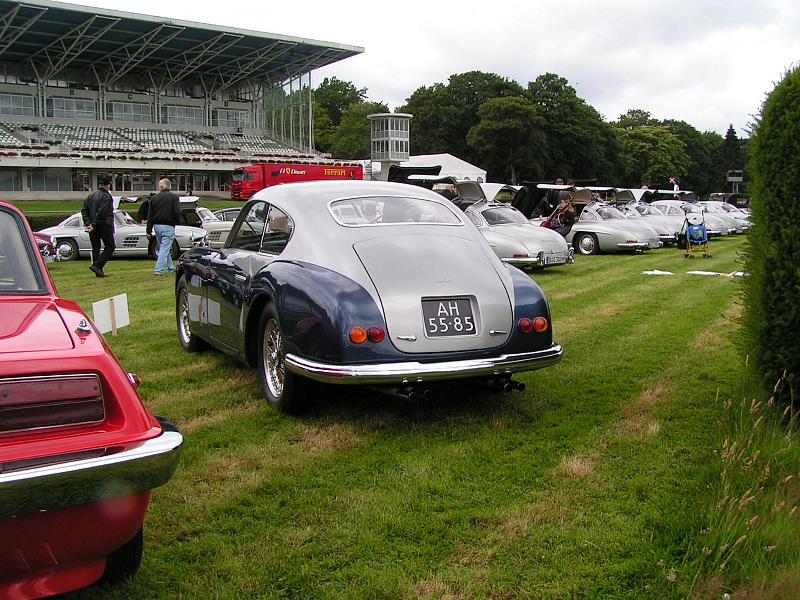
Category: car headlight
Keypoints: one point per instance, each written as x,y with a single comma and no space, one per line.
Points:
199,242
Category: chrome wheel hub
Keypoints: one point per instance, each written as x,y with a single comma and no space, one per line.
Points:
184,316
273,358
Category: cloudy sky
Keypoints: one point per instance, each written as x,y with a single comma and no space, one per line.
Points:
709,63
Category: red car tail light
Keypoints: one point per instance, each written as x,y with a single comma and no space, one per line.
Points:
540,324
525,325
376,334
57,401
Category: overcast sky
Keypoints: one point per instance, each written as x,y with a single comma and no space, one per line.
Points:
709,63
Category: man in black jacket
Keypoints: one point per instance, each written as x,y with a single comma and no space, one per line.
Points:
162,216
98,216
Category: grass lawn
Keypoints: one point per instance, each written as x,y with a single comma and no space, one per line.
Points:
591,483
68,207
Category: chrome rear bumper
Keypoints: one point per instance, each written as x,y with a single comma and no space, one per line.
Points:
74,480
414,372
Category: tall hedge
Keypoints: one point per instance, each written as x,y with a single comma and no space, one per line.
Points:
772,313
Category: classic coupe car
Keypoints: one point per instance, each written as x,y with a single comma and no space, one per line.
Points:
72,239
602,228
359,282
79,451
715,225
515,240
667,226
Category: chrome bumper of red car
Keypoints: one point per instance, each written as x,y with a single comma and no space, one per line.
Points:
89,477
414,372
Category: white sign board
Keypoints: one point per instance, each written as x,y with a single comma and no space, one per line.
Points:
111,313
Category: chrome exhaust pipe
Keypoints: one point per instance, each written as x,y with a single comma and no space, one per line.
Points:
405,392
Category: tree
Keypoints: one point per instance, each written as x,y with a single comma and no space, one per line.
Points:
651,154
353,133
443,115
324,129
634,118
579,143
506,136
699,175
772,313
336,96
733,154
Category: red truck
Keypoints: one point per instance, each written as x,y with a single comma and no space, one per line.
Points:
248,180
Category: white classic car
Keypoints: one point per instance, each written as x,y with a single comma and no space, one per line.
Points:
72,240
515,240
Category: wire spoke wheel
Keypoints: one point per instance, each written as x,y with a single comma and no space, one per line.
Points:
183,316
273,358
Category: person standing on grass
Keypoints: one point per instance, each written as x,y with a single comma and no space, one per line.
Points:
98,216
163,214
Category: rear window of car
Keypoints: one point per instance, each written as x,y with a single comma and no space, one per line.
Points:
503,216
19,272
391,210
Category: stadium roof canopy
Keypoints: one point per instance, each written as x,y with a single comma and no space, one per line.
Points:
47,38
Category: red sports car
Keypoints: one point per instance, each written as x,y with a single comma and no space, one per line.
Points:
79,451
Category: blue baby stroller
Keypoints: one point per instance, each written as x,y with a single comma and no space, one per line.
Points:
694,227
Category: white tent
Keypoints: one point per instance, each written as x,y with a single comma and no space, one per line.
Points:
452,166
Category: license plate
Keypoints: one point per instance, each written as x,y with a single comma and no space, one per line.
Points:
448,317
554,260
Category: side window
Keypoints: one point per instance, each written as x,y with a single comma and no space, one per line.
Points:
588,216
475,219
278,231
73,222
251,227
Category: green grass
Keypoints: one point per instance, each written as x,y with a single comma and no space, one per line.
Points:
68,207
594,482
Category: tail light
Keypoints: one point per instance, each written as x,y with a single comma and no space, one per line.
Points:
359,335
538,324
376,334
40,402
522,256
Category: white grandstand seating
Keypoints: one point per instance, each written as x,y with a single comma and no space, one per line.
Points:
165,141
86,140
7,140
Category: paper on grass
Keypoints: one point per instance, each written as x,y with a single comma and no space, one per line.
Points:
657,272
102,313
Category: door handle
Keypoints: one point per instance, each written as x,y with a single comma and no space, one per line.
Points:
240,277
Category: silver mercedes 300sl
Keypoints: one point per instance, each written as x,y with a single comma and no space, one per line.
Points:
359,282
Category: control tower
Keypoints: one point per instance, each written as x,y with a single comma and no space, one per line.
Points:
389,139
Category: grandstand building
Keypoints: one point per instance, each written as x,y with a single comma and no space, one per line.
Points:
87,92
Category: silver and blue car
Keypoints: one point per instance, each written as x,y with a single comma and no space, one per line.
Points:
362,283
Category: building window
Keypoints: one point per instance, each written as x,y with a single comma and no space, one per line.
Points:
71,108
182,115
17,104
9,180
230,118
130,111
142,181
49,180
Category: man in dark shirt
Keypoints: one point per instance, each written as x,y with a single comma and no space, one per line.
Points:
98,217
163,214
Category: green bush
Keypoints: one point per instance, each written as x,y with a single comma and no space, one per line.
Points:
39,222
772,316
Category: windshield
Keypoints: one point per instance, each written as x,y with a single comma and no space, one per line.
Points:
648,210
122,218
391,210
19,274
712,208
206,215
691,208
609,212
242,176
503,216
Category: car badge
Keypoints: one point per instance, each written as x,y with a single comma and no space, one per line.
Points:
83,328
442,280
407,338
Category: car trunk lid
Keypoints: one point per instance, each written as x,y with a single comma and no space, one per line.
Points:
409,268
32,325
